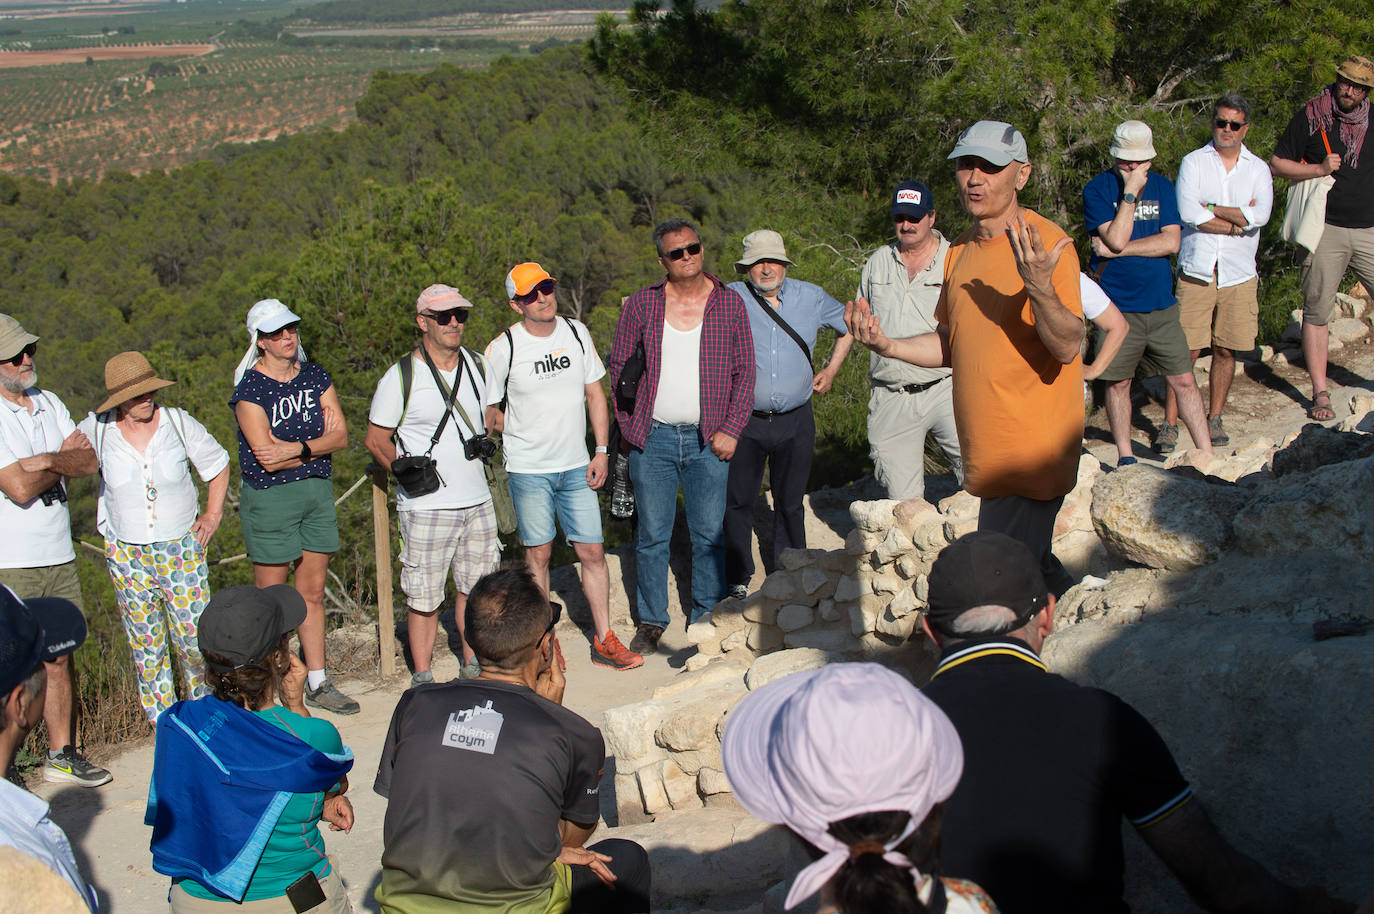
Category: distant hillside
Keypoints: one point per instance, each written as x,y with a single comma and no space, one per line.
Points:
340,11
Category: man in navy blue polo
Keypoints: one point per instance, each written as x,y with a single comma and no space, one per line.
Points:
784,317
1132,217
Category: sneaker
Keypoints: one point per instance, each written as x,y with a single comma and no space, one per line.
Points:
738,592
611,652
330,699
645,640
420,678
71,767
1166,439
470,670
1127,461
1219,436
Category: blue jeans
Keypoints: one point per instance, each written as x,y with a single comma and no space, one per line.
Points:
676,455
539,497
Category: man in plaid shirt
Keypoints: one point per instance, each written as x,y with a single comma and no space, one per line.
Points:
693,402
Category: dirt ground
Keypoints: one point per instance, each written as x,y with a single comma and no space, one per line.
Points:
106,824
14,59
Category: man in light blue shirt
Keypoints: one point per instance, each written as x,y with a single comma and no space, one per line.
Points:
32,634
784,317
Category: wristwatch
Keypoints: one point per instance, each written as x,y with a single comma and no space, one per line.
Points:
1129,197
601,449
305,452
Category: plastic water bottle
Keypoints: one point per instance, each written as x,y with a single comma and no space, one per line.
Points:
622,490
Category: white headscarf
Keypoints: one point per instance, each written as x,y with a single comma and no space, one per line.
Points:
264,317
820,746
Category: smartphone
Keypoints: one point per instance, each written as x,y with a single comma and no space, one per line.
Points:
305,893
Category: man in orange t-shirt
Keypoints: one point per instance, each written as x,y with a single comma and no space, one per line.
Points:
1010,325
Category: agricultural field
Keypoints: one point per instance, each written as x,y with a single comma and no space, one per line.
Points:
136,87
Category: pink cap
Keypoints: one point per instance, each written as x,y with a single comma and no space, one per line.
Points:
440,297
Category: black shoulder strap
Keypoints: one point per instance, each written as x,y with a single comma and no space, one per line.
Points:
510,366
449,397
573,328
773,313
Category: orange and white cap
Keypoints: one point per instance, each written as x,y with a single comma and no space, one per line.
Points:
523,277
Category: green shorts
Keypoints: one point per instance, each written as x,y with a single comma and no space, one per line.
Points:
1156,346
281,522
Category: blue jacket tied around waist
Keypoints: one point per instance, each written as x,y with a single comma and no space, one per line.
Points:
221,777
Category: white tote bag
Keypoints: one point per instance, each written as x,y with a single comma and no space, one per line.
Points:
1305,218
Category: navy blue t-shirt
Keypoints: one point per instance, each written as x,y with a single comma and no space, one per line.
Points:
294,412
1134,283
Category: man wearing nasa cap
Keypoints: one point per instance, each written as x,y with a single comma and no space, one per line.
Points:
901,282
450,529
1009,325
31,635
545,380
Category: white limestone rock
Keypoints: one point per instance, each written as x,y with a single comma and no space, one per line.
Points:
784,663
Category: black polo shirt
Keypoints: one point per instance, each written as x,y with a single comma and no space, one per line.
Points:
477,775
1050,769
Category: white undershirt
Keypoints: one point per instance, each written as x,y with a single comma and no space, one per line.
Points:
678,401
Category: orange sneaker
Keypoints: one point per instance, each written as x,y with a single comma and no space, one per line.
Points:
611,652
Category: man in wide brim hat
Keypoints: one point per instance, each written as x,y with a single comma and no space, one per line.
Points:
1329,136
129,375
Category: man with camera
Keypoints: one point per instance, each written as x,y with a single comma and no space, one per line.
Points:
545,381
426,424
40,448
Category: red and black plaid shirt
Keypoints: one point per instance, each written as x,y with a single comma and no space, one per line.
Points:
727,360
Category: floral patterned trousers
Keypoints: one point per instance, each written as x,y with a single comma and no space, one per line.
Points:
162,589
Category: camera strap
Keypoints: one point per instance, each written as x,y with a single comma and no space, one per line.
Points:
450,397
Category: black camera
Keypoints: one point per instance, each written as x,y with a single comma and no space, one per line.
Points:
480,448
55,494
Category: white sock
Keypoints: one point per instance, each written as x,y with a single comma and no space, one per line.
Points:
313,678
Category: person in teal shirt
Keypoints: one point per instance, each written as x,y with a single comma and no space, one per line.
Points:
244,636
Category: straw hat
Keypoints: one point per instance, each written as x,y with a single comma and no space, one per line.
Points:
1358,70
129,375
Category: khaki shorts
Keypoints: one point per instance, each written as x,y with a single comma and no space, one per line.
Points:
44,581
1154,348
1325,267
1226,317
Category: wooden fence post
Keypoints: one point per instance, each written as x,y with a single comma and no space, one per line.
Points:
381,537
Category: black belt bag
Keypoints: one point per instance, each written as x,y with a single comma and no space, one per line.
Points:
416,475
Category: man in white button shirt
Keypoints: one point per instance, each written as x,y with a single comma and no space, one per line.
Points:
1225,194
40,449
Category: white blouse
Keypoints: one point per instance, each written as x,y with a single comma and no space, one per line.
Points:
150,497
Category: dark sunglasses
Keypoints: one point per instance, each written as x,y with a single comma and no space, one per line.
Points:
294,327
1222,123
18,358
544,288
557,610
442,318
692,249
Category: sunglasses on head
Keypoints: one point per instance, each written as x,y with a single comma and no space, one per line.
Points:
442,318
18,358
692,250
545,287
1222,123
293,327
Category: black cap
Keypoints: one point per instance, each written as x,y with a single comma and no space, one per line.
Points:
35,631
244,624
911,198
984,569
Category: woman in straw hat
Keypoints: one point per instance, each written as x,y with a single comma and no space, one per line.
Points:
857,763
154,538
290,421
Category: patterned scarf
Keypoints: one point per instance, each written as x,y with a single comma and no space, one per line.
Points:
1324,114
